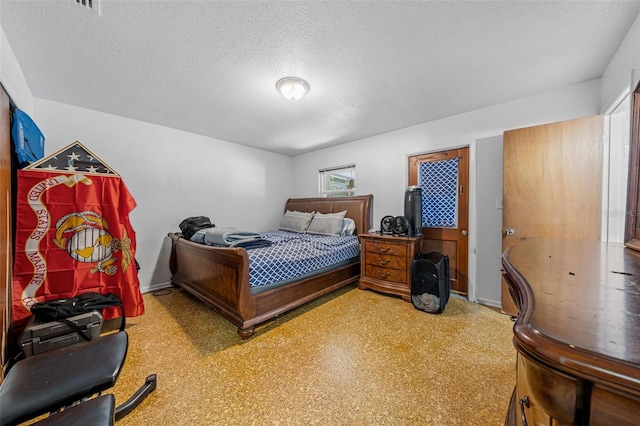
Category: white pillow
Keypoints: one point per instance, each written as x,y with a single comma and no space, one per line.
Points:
295,221
326,224
348,226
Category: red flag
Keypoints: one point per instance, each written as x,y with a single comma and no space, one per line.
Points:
73,236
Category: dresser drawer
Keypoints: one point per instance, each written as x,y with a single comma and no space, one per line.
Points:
554,391
610,407
386,261
386,274
383,247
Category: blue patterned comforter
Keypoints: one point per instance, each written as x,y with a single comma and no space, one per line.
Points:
292,254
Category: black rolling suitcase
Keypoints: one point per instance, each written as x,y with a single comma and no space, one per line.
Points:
430,282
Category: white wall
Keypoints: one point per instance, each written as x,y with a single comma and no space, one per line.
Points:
381,161
12,78
623,69
172,175
488,220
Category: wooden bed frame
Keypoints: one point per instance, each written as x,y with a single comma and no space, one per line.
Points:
220,276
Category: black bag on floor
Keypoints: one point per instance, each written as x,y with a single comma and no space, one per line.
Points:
430,282
61,309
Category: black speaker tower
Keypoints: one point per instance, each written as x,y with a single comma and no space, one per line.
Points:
413,209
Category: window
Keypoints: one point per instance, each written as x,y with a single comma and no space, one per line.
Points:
337,181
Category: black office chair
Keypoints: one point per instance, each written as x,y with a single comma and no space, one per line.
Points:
99,411
68,377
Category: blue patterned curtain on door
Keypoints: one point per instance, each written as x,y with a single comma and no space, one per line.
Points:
439,182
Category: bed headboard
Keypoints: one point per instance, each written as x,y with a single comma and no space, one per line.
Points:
358,207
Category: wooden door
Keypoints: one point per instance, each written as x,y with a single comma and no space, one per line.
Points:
552,183
451,236
632,223
6,246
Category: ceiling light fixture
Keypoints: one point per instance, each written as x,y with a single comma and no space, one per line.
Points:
292,88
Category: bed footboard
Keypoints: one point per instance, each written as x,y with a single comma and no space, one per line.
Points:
218,276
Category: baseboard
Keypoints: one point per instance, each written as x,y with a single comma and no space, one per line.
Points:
488,302
154,287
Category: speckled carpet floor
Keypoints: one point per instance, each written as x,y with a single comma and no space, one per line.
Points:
353,357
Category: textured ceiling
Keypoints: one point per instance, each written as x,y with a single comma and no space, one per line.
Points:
210,67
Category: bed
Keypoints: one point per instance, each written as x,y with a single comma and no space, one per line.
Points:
219,276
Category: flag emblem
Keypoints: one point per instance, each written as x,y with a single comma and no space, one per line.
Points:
85,237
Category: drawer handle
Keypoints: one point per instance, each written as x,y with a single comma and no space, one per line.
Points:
383,261
524,402
385,275
382,249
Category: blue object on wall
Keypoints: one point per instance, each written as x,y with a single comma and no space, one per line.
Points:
27,138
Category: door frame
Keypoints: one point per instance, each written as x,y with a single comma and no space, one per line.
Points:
625,96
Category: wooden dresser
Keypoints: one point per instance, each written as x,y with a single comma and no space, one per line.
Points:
577,333
385,263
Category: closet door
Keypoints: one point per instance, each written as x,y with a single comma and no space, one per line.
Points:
6,250
552,184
